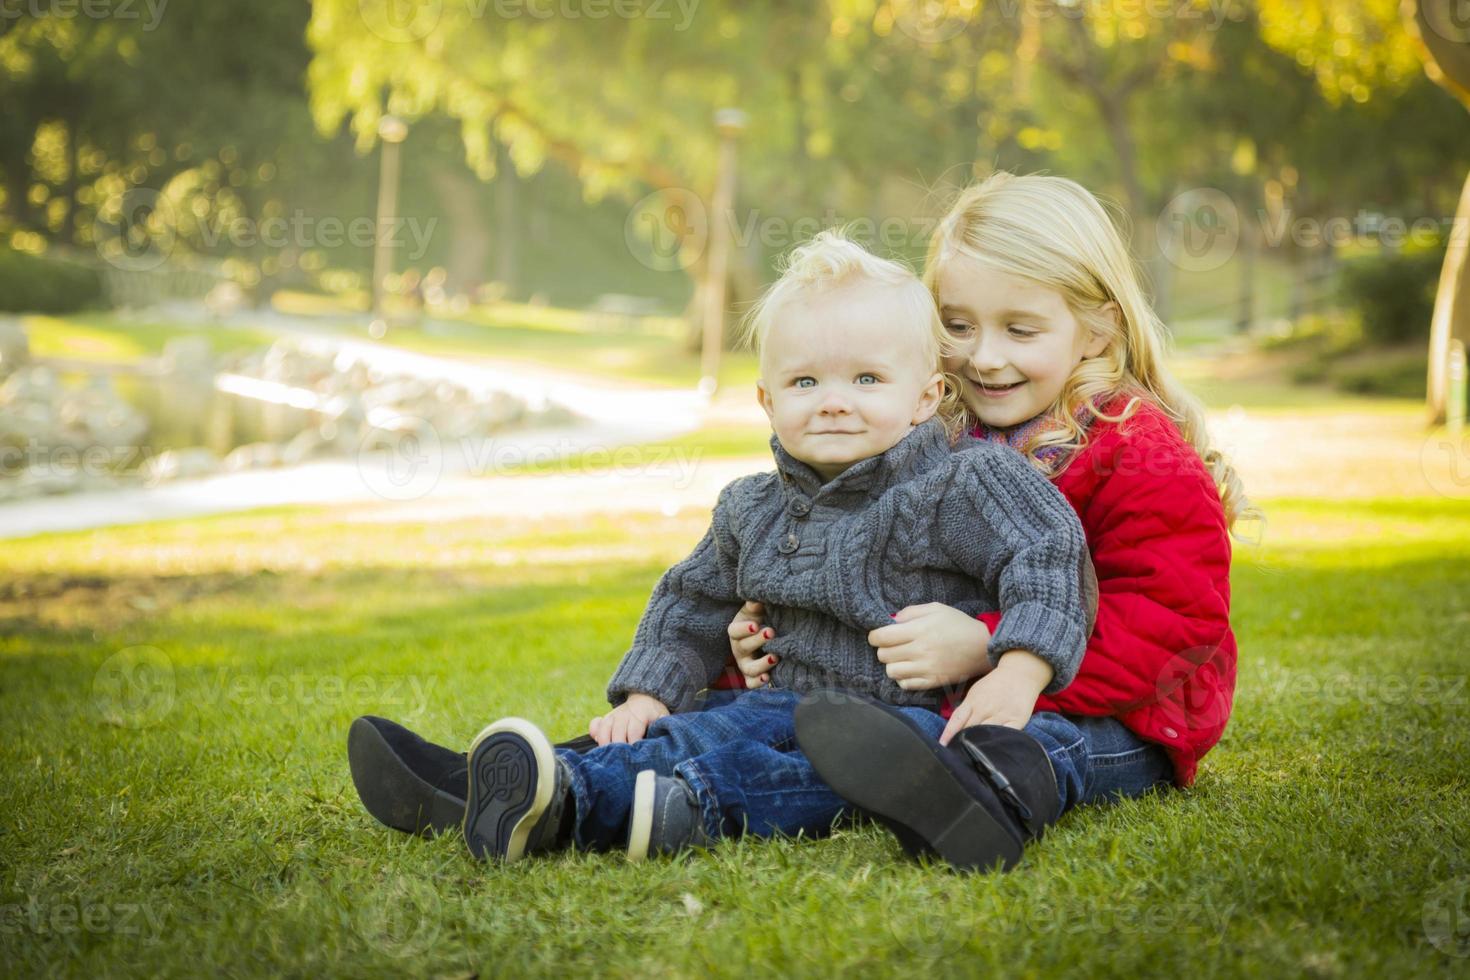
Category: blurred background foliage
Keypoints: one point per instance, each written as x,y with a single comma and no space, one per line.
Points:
532,138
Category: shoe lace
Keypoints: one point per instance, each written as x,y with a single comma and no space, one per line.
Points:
998,779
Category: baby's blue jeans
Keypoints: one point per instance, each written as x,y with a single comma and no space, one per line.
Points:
739,755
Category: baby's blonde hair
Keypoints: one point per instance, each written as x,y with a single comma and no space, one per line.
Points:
832,259
1052,231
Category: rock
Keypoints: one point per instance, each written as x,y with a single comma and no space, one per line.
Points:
190,357
49,481
15,346
302,447
255,455
34,385
224,300
180,464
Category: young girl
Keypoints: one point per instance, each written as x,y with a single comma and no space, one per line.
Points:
1059,356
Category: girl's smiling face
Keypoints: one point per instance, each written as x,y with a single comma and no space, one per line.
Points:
1015,342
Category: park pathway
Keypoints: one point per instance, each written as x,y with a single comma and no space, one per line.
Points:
598,466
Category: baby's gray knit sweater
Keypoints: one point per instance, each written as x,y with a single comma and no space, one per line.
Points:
972,526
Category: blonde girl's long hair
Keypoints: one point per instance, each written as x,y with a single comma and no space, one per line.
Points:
832,258
1052,231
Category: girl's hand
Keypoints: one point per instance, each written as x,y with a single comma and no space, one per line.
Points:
628,721
1005,696
931,646
748,633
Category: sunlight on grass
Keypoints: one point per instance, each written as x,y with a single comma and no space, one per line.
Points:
217,793
111,338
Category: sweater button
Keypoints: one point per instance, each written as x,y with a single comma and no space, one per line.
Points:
800,507
1170,733
789,545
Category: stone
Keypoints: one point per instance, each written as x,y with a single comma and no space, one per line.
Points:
15,346
180,464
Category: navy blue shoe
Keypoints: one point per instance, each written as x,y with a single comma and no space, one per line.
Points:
975,803
665,817
405,781
519,793
411,784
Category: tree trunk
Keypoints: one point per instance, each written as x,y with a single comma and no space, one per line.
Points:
1451,307
72,183
508,190
17,186
694,312
461,200
1245,315
1144,237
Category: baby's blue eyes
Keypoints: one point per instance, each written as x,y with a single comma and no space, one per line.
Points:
862,379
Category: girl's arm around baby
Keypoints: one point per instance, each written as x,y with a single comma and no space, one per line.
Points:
1005,524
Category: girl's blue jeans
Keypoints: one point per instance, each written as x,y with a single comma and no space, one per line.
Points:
739,755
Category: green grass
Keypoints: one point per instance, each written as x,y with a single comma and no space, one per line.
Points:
111,338
209,818
652,357
605,351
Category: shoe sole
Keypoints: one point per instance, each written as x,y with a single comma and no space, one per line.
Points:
392,793
640,818
846,739
512,774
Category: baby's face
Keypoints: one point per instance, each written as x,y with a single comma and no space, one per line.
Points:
843,378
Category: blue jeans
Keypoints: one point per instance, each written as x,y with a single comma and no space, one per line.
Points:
740,757
1097,759
738,754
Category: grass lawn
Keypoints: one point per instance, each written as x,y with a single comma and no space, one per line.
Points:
564,341
607,355
111,338
202,817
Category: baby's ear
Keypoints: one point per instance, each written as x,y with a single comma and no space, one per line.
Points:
929,400
763,398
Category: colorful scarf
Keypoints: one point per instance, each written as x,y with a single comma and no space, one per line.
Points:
1024,436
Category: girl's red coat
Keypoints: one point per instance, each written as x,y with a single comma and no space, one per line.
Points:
1161,658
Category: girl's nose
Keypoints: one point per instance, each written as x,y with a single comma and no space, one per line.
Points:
985,356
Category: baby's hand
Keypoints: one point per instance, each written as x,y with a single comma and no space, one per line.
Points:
629,721
748,633
932,646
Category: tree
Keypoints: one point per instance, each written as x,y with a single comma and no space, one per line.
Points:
1359,48
1445,49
